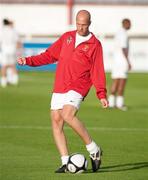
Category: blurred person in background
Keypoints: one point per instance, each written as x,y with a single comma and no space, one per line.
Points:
80,65
9,43
120,67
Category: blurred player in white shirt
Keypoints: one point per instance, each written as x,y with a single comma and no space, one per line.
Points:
120,67
9,42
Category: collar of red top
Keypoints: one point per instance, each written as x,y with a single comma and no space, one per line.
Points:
91,40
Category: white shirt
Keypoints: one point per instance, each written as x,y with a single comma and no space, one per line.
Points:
121,41
8,40
80,39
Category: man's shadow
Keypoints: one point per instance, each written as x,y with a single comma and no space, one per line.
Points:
121,167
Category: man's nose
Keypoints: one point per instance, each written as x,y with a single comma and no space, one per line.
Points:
80,27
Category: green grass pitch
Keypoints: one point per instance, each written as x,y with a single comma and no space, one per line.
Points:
27,150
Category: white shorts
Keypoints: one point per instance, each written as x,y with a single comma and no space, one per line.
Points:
119,74
73,98
119,71
119,67
7,59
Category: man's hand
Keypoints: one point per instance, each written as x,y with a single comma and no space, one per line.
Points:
21,61
104,103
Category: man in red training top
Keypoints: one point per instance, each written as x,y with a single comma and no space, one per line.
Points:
80,65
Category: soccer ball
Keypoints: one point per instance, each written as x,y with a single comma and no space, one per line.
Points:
77,163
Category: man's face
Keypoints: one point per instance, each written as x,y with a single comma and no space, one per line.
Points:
127,25
82,25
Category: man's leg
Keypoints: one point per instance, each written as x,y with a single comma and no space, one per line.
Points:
113,91
120,93
69,116
12,75
114,86
3,76
121,87
59,137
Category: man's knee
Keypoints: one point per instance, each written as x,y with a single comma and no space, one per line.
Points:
67,117
57,122
56,117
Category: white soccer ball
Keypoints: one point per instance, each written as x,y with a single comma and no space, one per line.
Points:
77,163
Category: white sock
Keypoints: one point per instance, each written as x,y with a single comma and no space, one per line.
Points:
111,101
14,79
119,101
3,82
92,147
64,159
9,75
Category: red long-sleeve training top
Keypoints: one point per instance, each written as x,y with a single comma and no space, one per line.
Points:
77,68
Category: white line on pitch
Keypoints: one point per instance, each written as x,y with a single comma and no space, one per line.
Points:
68,128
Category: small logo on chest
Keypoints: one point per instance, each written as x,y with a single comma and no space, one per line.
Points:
69,40
85,48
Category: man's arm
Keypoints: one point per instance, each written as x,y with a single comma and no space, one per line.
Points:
50,56
98,76
123,42
125,53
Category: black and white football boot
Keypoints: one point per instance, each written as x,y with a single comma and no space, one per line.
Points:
62,169
96,160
